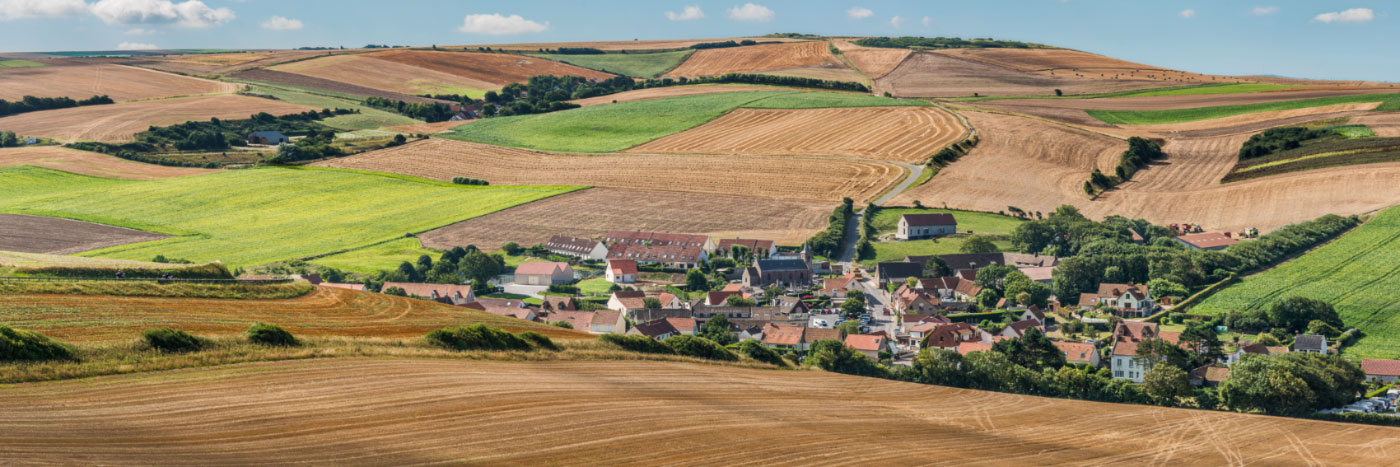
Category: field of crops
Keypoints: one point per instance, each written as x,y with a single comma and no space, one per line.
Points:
1169,116
608,128
1330,153
250,217
636,65
1358,274
19,64
375,258
368,118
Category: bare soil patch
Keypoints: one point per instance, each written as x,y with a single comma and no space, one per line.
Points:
90,163
905,134
927,74
293,79
1044,59
421,411
783,177
366,71
755,58
54,236
118,122
619,45
498,69
81,80
595,211
875,62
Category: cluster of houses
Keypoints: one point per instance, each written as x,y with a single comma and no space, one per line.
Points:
625,250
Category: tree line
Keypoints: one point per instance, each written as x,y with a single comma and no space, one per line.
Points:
911,42
8,139
428,112
1277,140
1140,152
829,242
724,45
34,104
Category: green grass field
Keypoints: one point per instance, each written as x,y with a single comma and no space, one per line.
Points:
254,216
614,127
886,221
1156,117
368,118
382,257
636,65
19,64
594,286
896,251
1359,274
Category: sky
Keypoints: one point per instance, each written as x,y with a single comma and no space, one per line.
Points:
1324,39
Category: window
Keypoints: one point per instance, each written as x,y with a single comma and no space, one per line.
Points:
1118,374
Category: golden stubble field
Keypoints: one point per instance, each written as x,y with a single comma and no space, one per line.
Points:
408,412
117,123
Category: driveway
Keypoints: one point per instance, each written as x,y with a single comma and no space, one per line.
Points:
527,290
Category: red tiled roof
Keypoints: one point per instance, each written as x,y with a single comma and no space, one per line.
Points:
816,334
1021,326
1077,352
623,266
865,342
540,267
1208,240
719,298
1380,367
782,334
752,244
969,347
426,290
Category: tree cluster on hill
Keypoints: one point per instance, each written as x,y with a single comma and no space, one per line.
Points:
574,51
313,146
951,153
34,104
1140,152
455,266
8,139
1295,383
829,242
910,42
469,181
1278,139
724,45
219,135
428,112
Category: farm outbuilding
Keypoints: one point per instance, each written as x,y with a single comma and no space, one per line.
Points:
916,226
266,137
544,273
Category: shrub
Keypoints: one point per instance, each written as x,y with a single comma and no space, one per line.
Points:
562,324
641,344
271,334
753,349
29,346
476,337
171,340
469,181
539,341
695,346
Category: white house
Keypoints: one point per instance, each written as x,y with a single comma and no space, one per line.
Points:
1126,337
1127,300
544,273
916,226
1079,353
585,248
622,271
1310,343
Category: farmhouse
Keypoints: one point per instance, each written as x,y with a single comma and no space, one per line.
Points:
1081,353
916,226
869,345
836,288
1310,343
721,297
672,256
446,293
949,336
1384,370
544,273
628,301
1207,241
576,247
760,248
1126,337
266,137
636,237
897,272
1019,328
1125,300
796,337
786,272
558,303
622,271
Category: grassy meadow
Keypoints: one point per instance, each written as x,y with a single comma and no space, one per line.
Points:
886,221
636,65
381,257
19,64
1357,273
254,216
615,127
368,118
1158,117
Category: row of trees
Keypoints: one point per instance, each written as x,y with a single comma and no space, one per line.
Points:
831,241
1140,152
34,104
428,112
216,134
722,45
910,42
316,145
1279,139
453,267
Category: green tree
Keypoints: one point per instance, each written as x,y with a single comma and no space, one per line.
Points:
511,248
834,356
994,277
1200,338
651,303
1291,384
988,298
478,266
1151,352
1033,350
936,267
848,328
1166,384
738,300
978,244
853,306
695,281
774,292
1294,313
938,366
718,329
1165,288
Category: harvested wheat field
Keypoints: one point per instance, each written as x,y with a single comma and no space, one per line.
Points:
323,312
80,80
649,45
1384,124
426,128
494,68
51,235
829,72
118,122
904,134
927,74
90,163
370,72
228,63
1044,59
311,82
754,58
875,62
422,411
671,91
1258,121
592,212
784,177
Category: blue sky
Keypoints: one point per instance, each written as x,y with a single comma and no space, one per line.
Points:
1301,38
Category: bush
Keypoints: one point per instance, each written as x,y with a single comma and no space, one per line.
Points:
695,346
272,335
562,324
476,337
753,349
470,181
29,346
641,344
171,340
563,288
539,341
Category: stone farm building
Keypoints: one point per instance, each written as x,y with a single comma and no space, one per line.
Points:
585,248
544,273
917,226
785,272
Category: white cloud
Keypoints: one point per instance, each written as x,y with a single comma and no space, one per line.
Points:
1187,13
16,9
136,46
190,14
689,13
927,21
896,21
1354,15
1264,10
497,25
140,32
857,12
278,23
751,12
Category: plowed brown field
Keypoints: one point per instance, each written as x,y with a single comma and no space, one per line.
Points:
1043,59
618,45
84,80
323,312
118,122
927,74
670,91
429,411
595,211
387,75
1072,110
754,58
1386,124
494,68
54,236
784,177
90,163
875,62
905,134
